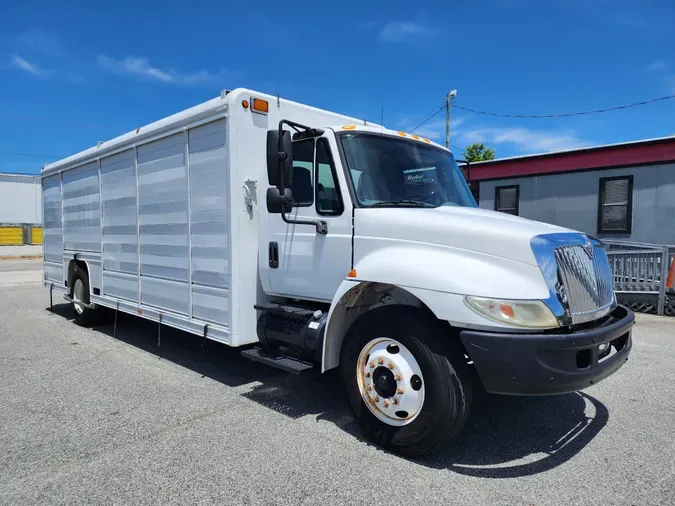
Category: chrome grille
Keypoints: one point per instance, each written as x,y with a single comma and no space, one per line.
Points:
587,280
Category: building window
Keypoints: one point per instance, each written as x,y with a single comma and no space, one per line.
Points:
507,199
615,205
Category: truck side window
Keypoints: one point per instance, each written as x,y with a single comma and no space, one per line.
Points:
328,198
303,165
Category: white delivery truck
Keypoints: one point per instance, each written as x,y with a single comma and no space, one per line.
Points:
314,239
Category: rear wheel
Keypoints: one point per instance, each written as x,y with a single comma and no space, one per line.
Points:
84,316
405,379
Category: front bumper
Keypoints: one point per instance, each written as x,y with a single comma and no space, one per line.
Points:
551,363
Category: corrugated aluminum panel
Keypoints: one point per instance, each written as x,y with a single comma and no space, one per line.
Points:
209,223
52,228
120,285
81,209
163,217
161,293
210,304
120,224
36,235
11,236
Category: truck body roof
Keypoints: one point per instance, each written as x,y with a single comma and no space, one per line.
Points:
206,111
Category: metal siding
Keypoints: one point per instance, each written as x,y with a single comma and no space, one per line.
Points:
209,223
120,226
571,200
210,304
165,294
120,285
163,220
82,209
52,233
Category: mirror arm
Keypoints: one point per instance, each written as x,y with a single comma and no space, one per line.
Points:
321,226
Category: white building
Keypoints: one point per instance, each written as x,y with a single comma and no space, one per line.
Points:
20,200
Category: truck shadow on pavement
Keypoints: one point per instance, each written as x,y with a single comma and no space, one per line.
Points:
505,437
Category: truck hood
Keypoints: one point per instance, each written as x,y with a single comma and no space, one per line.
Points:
465,228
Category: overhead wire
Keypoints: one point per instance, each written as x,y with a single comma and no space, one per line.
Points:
567,114
429,118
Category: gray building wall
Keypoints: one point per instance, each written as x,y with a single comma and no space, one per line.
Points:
20,199
571,200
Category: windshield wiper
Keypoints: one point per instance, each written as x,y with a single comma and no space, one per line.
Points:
410,203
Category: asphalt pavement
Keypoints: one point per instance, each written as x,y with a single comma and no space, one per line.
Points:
88,419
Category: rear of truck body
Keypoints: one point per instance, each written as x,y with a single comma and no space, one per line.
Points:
250,219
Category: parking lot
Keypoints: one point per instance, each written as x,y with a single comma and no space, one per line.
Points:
85,418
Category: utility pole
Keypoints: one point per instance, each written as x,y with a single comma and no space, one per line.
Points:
448,99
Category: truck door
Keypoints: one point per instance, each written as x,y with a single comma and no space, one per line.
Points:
310,265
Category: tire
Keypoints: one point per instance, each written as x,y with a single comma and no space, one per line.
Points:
84,316
445,379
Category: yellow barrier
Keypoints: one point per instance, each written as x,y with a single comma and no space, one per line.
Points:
36,234
11,235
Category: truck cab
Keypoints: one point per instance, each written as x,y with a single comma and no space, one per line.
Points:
415,294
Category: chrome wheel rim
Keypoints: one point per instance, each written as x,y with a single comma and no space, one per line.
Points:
390,381
78,296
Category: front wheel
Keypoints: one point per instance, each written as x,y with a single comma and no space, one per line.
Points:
405,379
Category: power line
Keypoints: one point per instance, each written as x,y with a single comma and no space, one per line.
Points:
430,117
564,115
31,154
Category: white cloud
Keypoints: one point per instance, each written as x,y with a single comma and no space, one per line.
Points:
657,65
141,68
41,41
27,66
524,139
670,82
402,31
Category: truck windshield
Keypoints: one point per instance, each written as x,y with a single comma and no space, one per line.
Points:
390,172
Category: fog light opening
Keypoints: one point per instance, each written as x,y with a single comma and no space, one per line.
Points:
583,359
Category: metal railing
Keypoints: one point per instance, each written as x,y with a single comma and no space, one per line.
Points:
641,270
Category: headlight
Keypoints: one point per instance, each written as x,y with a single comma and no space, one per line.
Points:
523,313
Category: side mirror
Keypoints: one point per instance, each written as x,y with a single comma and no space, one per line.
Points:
276,203
279,157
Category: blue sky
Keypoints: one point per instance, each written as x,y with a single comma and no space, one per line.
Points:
73,73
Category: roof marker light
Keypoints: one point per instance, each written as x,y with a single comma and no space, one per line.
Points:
260,105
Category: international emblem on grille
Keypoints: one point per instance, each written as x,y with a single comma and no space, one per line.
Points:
588,248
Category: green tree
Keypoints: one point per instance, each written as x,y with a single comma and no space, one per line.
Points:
478,152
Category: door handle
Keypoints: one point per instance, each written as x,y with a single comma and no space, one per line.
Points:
274,255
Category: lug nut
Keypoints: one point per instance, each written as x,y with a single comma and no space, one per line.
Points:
377,398
380,361
367,375
398,377
369,387
385,404
390,365
395,401
372,364
399,390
